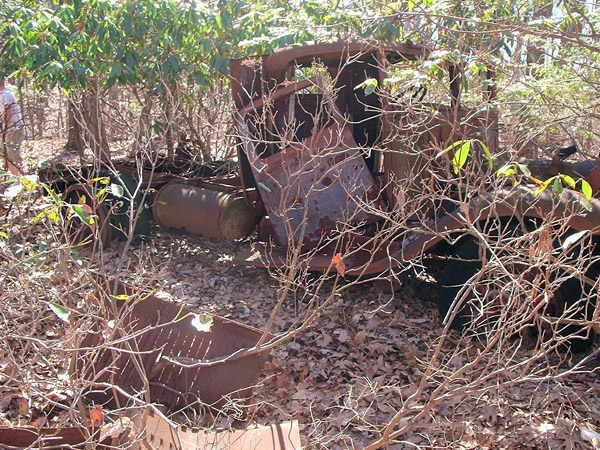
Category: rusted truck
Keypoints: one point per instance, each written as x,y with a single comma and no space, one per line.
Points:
330,162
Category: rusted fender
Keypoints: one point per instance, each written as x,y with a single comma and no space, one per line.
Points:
183,365
519,201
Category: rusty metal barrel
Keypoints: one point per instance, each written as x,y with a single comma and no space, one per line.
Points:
207,212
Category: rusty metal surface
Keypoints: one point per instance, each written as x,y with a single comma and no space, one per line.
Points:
506,202
309,188
203,211
161,336
153,430
337,51
47,437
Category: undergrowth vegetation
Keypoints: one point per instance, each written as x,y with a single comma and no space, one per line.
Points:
508,360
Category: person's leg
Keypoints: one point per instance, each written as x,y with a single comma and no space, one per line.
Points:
13,150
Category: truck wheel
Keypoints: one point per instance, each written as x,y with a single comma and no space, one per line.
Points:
112,216
483,303
121,208
454,278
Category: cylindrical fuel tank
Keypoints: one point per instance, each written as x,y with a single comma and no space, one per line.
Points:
203,211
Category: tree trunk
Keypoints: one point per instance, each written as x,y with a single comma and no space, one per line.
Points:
74,136
86,126
143,129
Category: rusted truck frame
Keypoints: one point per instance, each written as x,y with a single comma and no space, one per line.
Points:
298,202
322,163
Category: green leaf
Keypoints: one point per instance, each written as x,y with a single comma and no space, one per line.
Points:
52,194
557,187
487,152
29,182
40,216
62,312
506,170
100,194
524,169
117,190
14,29
84,215
102,180
586,189
115,73
264,187
569,180
202,322
122,297
53,215
461,155
543,185
450,147
369,85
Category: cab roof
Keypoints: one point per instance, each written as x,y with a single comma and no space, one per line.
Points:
338,50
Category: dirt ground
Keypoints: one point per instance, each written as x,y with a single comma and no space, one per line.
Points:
356,366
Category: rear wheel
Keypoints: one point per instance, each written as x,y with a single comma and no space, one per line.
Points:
481,289
113,216
128,209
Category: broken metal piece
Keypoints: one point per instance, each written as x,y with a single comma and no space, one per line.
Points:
152,338
161,433
153,431
47,437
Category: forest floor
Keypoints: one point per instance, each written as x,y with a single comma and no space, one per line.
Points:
360,361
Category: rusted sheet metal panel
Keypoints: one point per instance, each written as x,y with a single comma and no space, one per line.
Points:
47,437
339,50
506,202
154,431
160,336
202,211
312,187
161,433
414,140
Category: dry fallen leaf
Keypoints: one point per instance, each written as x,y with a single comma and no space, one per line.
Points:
343,337
360,337
96,416
117,428
39,422
23,406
